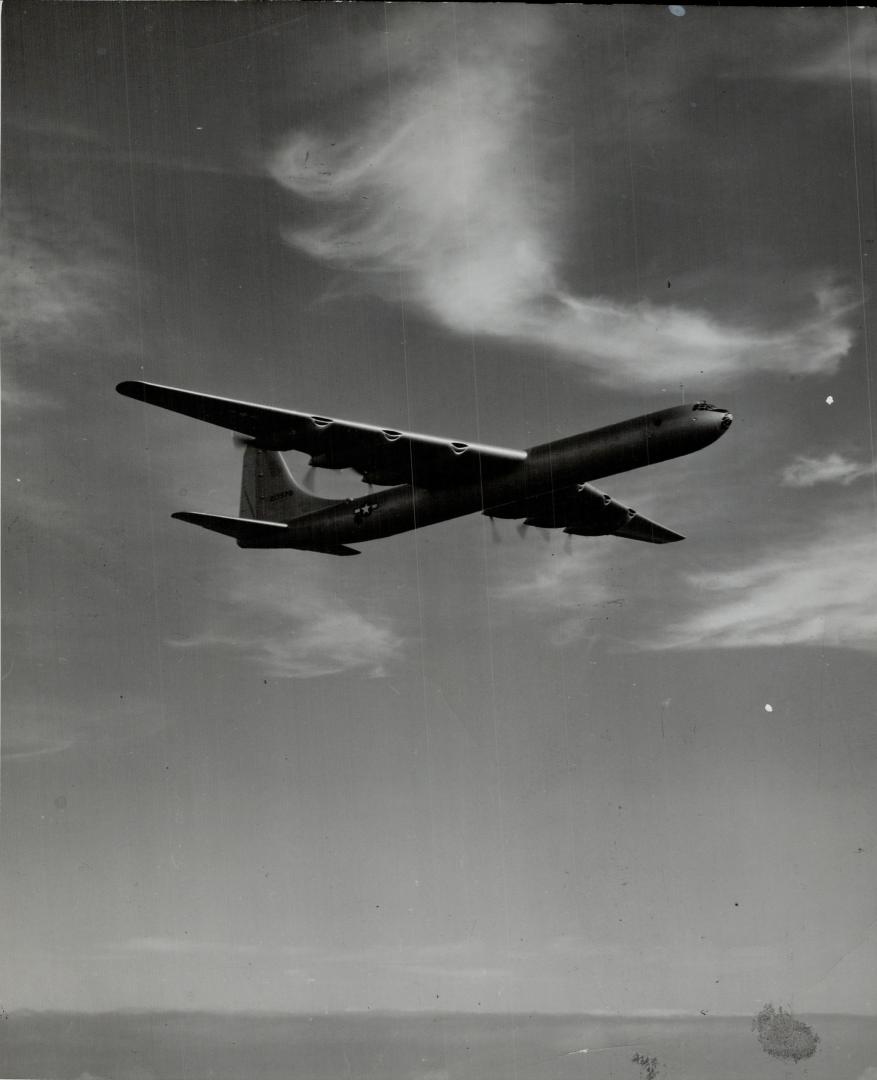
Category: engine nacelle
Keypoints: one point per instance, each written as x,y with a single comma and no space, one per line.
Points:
594,513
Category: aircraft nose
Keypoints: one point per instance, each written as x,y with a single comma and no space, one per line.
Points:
726,421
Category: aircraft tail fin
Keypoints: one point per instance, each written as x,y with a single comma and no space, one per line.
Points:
269,492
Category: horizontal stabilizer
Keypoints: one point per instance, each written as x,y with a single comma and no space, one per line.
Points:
255,534
239,528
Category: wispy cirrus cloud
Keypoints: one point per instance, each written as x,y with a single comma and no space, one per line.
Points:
298,630
565,587
834,468
852,56
452,188
58,280
821,591
470,960
467,960
25,747
184,946
42,725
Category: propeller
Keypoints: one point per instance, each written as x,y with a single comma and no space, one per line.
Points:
544,532
241,440
567,544
308,478
494,532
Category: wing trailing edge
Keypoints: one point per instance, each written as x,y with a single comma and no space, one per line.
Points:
382,456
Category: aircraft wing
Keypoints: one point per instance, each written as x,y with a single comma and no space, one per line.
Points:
585,511
381,456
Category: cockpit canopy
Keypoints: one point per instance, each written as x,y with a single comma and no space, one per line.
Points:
698,405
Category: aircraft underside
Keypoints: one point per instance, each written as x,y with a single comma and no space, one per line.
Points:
549,486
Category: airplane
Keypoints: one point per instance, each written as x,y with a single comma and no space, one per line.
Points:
429,479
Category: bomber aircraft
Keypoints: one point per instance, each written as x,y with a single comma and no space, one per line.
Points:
429,479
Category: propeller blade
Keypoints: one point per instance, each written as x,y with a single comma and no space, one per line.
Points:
241,440
494,532
545,534
567,544
308,479
522,529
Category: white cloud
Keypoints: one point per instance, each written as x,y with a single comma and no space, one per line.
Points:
821,591
299,629
466,960
25,401
566,586
807,471
167,946
57,279
24,747
853,56
452,189
474,972
42,725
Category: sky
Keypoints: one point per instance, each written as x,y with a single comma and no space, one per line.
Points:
464,771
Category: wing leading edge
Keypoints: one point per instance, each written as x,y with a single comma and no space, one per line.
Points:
381,456
585,511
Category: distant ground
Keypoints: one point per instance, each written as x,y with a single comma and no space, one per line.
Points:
178,1046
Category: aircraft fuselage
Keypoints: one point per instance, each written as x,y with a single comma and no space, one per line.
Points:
617,448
